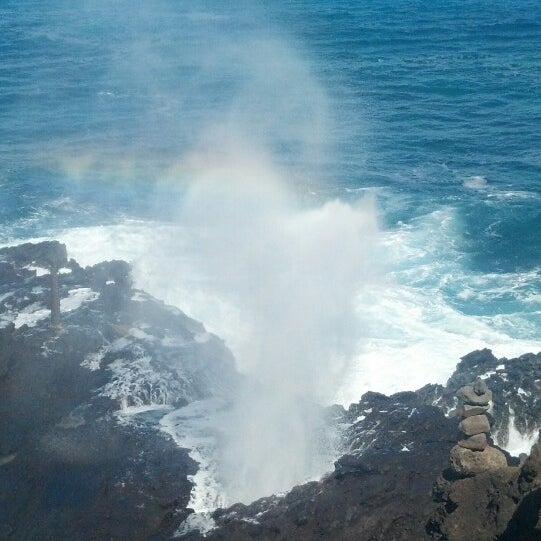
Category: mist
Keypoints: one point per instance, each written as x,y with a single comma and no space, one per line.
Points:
284,261
257,251
292,272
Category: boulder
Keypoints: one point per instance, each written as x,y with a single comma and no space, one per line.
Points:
477,508
467,410
468,395
476,424
480,387
478,442
466,462
530,475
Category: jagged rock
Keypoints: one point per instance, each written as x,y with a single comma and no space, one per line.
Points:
469,396
132,483
476,424
379,491
390,435
49,254
349,464
478,442
476,508
483,505
468,410
68,469
466,462
502,505
530,475
480,387
525,525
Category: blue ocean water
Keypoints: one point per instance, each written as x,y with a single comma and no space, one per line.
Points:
433,106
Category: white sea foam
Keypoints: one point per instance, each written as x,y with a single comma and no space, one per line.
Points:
5,296
40,271
410,328
93,360
196,427
513,194
475,183
414,338
136,383
406,323
517,442
76,298
34,313
31,315
141,334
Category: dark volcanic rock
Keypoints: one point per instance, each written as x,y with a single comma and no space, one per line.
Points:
496,501
72,467
525,524
396,448
49,254
477,507
478,442
380,490
498,505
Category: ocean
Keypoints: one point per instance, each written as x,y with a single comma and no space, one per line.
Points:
430,110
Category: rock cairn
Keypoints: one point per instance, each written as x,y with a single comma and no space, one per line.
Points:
473,454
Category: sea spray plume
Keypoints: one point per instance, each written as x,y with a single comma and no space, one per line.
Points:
293,272
289,269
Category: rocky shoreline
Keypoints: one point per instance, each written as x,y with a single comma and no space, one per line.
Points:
423,465
70,469
400,478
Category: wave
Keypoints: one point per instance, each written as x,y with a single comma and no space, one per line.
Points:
431,309
426,312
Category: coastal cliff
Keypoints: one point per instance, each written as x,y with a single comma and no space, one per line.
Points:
83,454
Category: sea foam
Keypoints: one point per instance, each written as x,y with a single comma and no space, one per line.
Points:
408,323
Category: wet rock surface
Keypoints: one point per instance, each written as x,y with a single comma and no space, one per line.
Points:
72,468
395,480
380,489
482,495
75,464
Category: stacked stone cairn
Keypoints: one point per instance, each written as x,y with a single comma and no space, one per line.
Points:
473,454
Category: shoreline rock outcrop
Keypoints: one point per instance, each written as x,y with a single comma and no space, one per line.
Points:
74,462
481,496
69,471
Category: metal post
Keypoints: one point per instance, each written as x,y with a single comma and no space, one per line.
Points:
55,300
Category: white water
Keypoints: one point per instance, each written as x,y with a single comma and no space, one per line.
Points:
32,314
408,333
197,427
404,326
517,442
